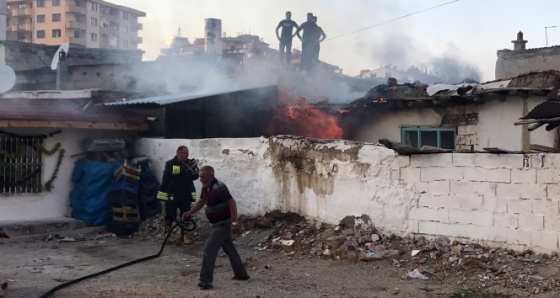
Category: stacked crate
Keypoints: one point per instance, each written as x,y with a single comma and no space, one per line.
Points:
123,198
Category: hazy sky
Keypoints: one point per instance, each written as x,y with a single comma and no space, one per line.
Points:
469,31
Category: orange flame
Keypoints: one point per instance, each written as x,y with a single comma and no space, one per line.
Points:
302,119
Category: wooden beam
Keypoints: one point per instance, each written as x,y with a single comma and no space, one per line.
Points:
541,148
74,124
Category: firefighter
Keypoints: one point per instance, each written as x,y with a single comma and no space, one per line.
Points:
177,187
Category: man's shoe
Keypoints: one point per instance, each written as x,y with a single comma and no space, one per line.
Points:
204,285
246,277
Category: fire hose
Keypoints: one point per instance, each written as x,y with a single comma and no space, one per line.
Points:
188,225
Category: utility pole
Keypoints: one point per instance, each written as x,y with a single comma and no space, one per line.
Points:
546,33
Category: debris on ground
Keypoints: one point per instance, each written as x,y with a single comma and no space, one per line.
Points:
356,239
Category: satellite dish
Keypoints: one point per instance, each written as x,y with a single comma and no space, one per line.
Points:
60,55
7,78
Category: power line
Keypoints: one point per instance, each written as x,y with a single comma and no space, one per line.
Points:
395,19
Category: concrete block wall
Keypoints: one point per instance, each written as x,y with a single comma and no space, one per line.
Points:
507,200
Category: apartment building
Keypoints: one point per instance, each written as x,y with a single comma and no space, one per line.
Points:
87,23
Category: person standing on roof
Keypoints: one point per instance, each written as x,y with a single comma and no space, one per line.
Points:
318,37
285,39
177,187
306,42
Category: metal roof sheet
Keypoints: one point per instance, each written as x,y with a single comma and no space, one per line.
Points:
179,97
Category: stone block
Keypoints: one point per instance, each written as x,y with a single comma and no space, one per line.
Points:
552,223
499,175
545,240
524,176
495,204
506,220
548,176
470,202
473,188
476,232
441,160
545,207
475,174
438,174
519,206
479,218
553,191
437,228
531,222
464,159
551,160
433,187
438,201
410,175
520,237
428,214
420,160
497,234
403,161
527,191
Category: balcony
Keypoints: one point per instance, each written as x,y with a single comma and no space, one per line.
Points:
74,40
136,39
137,26
75,25
20,27
22,12
75,9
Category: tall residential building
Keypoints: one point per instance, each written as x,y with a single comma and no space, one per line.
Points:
88,23
3,20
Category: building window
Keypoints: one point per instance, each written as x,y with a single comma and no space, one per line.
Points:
40,3
20,164
93,22
94,37
76,34
125,15
94,6
21,21
56,17
41,18
22,6
55,2
40,33
436,137
21,36
56,33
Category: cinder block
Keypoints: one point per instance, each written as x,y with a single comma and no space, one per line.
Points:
420,160
464,159
545,207
466,129
438,201
437,228
548,176
475,174
552,224
531,222
495,204
527,191
470,202
479,218
524,176
488,161
428,214
536,161
433,187
518,237
441,160
476,232
519,206
410,175
545,240
499,175
553,191
437,174
473,188
506,220
551,160
403,161
497,234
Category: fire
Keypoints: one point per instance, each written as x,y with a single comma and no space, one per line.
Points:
297,117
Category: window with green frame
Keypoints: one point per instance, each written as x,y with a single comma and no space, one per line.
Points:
423,136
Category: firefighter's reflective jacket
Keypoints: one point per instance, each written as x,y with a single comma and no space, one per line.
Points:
177,181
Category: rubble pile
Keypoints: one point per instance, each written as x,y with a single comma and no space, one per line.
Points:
439,259
153,228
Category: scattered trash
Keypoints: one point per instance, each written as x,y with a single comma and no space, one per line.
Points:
416,274
370,253
67,239
415,252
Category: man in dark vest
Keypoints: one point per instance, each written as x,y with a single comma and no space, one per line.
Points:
221,211
177,188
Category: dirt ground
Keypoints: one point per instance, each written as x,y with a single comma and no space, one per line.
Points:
32,266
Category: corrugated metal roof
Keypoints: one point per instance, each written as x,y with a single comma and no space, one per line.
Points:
179,97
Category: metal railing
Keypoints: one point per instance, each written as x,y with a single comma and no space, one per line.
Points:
20,164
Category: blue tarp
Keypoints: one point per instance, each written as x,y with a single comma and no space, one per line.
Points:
89,197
